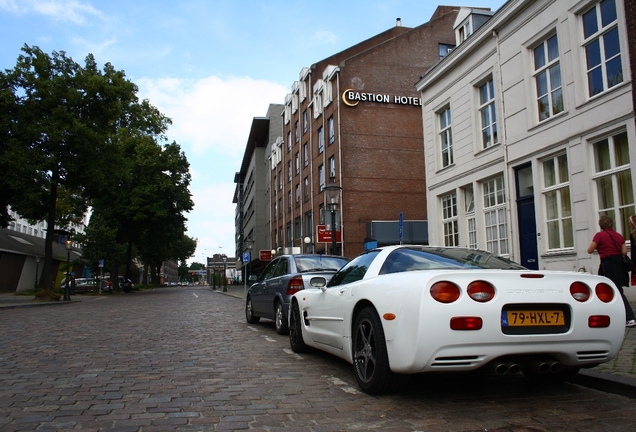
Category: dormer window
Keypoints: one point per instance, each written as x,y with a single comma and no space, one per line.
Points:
464,31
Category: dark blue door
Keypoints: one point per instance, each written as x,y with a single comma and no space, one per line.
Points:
527,220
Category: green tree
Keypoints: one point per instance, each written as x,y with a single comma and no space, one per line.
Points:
61,118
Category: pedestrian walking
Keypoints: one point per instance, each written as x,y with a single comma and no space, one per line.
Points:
611,248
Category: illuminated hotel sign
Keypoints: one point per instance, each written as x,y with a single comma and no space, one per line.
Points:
353,98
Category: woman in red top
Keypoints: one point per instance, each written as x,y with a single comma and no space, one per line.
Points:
611,248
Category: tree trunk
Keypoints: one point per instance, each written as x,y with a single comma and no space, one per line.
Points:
47,272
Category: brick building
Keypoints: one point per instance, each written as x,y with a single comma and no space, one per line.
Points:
356,117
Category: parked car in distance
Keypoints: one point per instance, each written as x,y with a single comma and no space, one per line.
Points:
269,296
81,285
402,310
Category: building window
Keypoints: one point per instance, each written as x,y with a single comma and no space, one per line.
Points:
496,221
297,127
469,209
321,177
464,30
449,220
298,233
298,194
280,207
289,201
289,171
321,212
289,141
444,49
602,47
290,240
332,131
332,166
613,180
547,78
306,186
306,154
305,124
321,139
297,163
489,135
446,137
558,206
280,180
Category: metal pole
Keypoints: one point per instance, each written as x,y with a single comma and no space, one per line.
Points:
67,294
333,230
37,263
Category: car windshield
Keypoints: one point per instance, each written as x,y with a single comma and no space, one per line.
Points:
306,263
443,258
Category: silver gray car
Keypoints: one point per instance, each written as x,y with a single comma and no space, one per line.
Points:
269,296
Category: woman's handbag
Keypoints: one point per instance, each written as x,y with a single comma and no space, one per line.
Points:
625,260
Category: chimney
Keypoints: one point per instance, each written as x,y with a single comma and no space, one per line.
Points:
398,22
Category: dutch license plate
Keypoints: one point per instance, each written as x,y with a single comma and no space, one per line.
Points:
532,318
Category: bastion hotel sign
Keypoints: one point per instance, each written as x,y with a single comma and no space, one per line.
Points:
353,98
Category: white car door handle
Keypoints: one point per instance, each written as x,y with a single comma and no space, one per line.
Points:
343,291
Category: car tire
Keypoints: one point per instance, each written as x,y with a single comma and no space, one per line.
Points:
249,312
370,355
280,320
296,330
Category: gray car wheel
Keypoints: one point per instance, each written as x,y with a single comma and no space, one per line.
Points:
249,312
280,320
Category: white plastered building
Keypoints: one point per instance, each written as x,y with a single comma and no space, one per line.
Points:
529,132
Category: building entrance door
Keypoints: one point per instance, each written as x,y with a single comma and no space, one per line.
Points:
526,218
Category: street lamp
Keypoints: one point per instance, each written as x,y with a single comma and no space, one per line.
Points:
224,274
67,295
37,263
333,200
307,240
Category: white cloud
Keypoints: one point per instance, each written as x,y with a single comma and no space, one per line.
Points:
60,10
211,113
324,36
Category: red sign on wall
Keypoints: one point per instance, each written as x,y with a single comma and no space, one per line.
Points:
324,235
265,255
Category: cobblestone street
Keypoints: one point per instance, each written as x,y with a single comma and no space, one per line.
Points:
185,359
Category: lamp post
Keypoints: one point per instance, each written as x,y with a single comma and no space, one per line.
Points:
333,200
37,264
67,295
224,274
250,245
307,240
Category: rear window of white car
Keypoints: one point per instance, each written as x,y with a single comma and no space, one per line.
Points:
442,258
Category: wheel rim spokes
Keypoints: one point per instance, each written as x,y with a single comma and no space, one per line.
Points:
365,351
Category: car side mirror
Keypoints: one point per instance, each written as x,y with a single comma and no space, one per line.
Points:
253,278
318,282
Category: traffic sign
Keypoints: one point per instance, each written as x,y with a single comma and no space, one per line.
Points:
246,257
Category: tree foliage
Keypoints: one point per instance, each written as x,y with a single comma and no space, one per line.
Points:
75,137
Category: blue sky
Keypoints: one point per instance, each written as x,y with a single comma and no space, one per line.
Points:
210,65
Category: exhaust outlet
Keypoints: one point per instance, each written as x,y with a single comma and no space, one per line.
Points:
555,367
540,366
499,368
513,368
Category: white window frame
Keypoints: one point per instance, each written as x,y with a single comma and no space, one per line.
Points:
600,36
470,217
488,113
450,219
558,203
445,137
613,180
495,216
552,98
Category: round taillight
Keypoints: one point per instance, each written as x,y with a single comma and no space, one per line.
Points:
604,292
481,291
445,292
580,292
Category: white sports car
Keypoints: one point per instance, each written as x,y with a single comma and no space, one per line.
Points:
410,309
